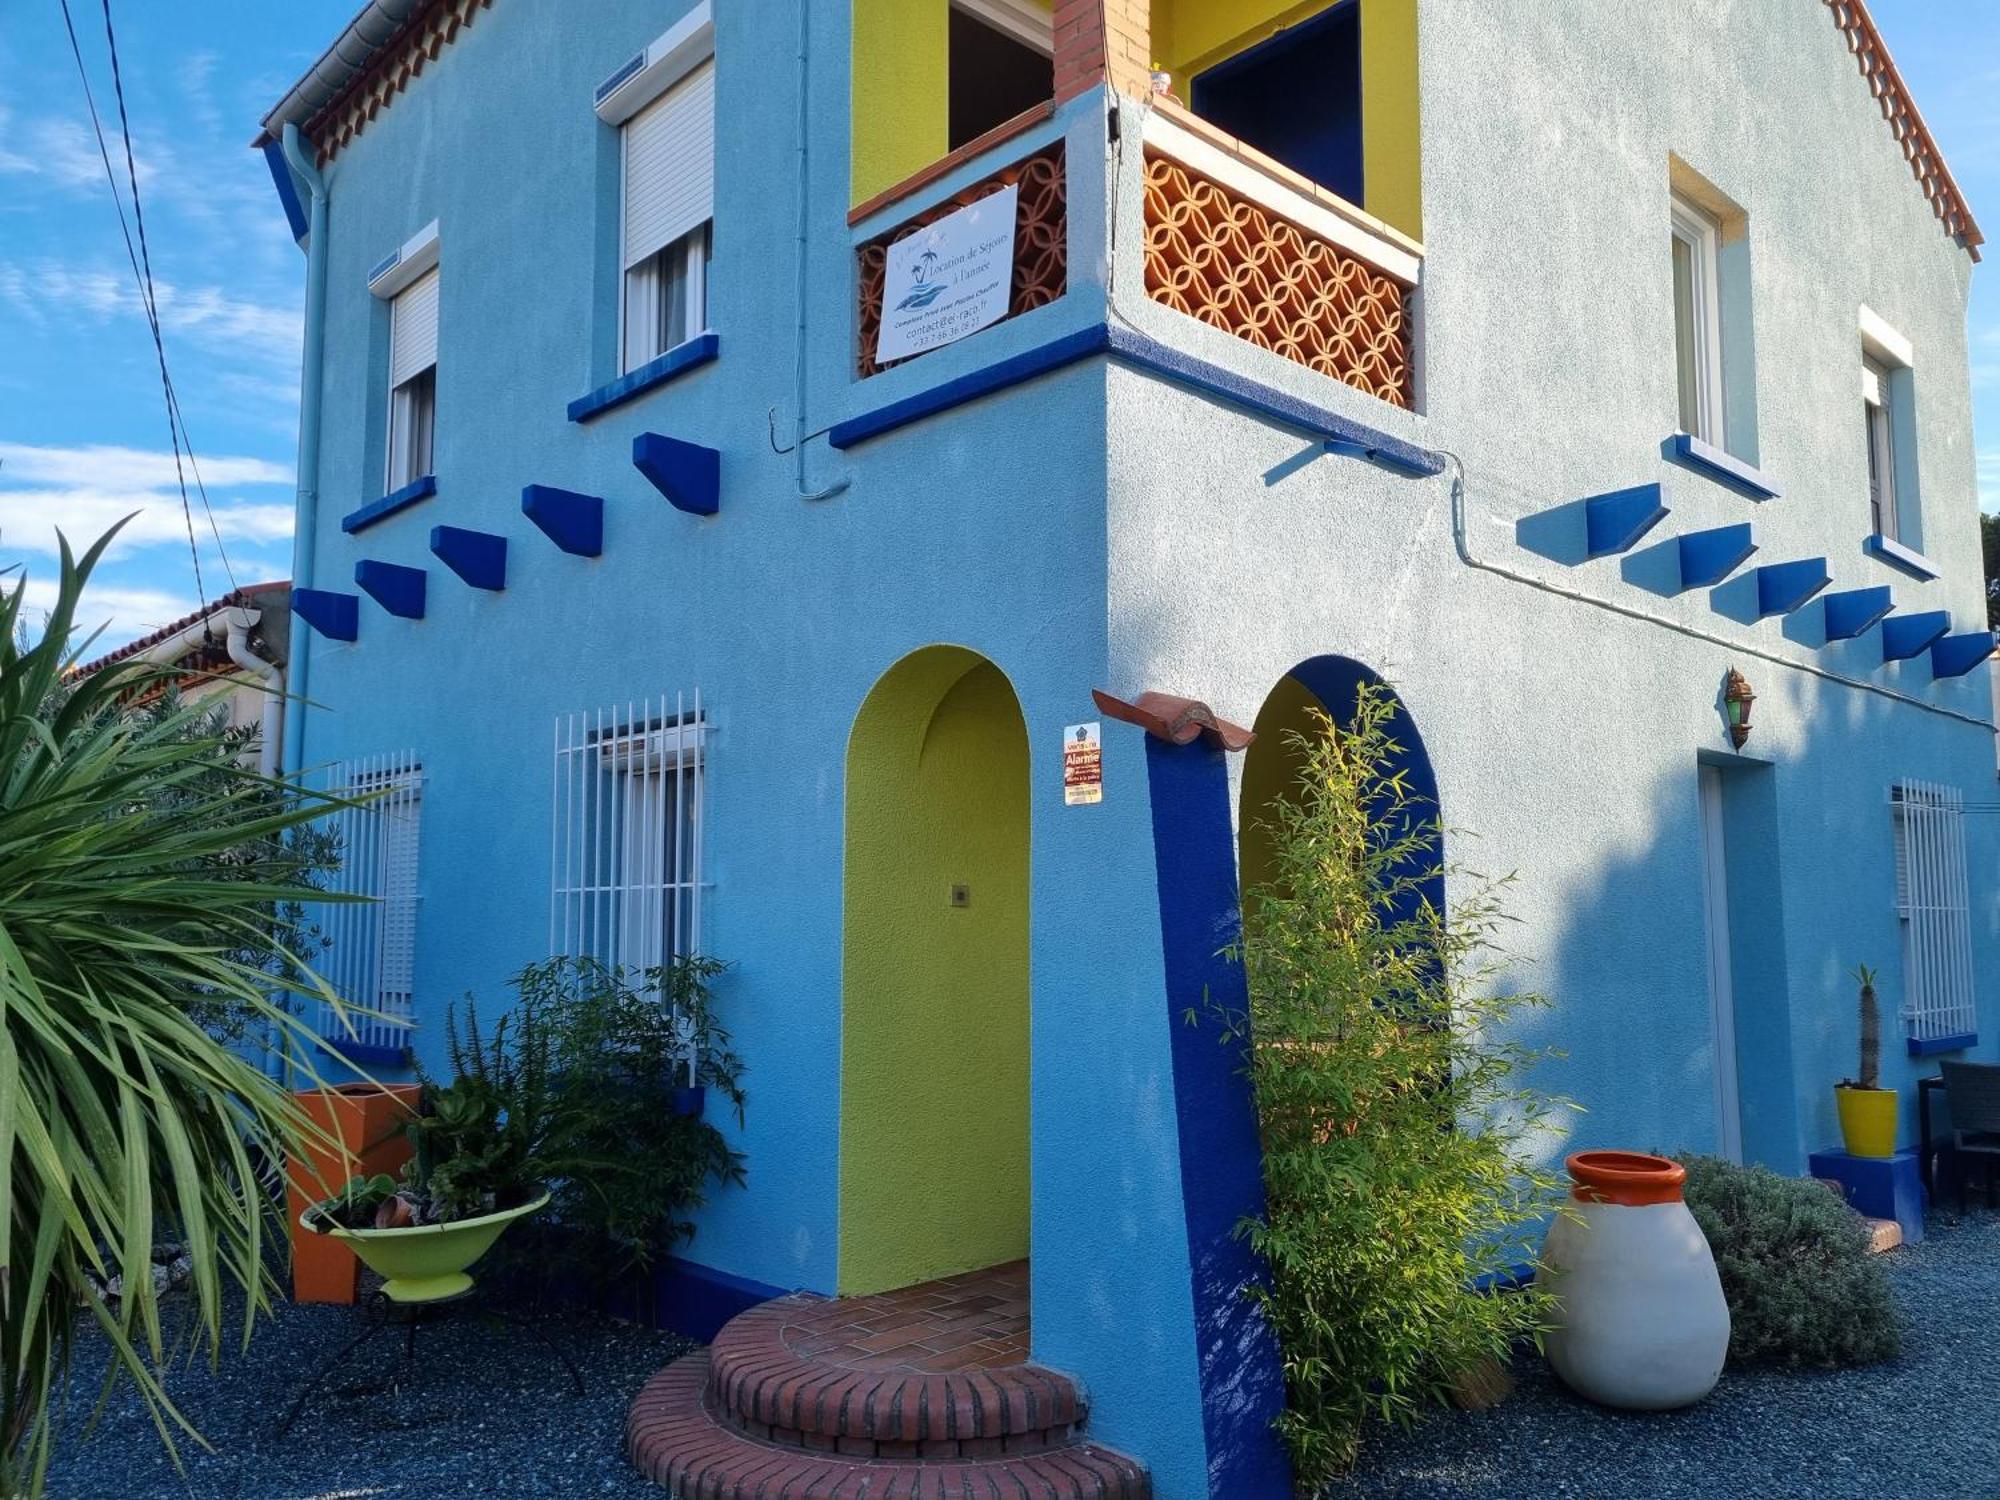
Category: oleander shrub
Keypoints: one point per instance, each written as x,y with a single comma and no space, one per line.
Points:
1802,1287
1396,1123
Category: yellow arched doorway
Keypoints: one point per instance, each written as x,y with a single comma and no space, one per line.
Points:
934,1017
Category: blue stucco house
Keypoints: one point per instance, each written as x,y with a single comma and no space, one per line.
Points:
713,524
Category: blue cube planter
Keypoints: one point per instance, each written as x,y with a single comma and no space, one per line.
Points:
397,589
1787,586
1955,655
573,522
478,557
689,475
1854,612
1905,636
1886,1187
1708,557
1613,523
334,615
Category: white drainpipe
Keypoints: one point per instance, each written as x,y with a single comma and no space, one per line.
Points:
269,677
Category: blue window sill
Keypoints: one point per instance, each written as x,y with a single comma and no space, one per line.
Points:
361,1055
1931,1046
1896,555
695,352
1712,461
389,504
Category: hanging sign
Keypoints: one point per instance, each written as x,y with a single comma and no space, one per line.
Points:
948,279
1083,766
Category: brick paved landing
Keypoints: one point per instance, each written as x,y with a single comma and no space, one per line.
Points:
924,1393
932,1371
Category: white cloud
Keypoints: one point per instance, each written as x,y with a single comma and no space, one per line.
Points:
115,468
117,614
29,519
206,314
64,152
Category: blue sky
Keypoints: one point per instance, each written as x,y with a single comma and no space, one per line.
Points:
82,428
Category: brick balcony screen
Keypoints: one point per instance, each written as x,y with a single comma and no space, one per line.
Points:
1041,243
1241,268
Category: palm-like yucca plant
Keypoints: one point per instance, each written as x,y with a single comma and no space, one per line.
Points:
123,910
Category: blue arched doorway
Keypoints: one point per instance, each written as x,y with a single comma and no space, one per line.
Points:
1328,685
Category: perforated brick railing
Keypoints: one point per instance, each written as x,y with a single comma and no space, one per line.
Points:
1238,266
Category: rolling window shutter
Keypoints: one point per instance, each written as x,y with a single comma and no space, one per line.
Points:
413,329
670,165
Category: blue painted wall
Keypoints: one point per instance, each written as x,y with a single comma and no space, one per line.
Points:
1100,526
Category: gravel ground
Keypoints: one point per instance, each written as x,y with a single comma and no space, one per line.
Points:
1923,1427
486,1411
489,1412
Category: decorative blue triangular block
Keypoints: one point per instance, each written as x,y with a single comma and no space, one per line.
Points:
1955,655
1904,636
1853,612
1784,587
478,557
398,589
689,475
1613,522
1708,557
573,522
334,615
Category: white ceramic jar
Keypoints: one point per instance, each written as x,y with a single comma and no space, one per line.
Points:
1640,1321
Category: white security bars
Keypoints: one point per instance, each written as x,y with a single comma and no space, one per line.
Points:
625,842
1931,899
372,945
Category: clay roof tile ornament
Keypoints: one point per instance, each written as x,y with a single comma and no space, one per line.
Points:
1178,721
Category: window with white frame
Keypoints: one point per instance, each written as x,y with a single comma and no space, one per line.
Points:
1696,245
371,953
1888,414
668,149
413,324
626,840
1932,910
1879,419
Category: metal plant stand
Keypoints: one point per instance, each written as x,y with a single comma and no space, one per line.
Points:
409,1316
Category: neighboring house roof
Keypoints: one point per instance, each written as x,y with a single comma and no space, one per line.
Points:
386,46
207,655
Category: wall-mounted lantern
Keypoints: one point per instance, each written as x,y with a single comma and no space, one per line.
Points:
1736,701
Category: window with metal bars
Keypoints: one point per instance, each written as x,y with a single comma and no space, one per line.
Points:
1933,912
371,954
626,886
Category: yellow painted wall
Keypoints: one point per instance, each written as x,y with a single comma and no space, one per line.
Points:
901,90
1192,35
1271,770
901,71
934,1050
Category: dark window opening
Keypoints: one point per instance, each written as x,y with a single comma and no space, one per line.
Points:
994,77
1297,98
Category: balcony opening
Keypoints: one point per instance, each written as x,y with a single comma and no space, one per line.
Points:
1297,98
931,76
997,71
1327,90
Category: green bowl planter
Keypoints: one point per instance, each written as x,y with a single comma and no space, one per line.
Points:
428,1262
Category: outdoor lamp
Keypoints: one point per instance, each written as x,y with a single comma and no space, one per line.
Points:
1736,701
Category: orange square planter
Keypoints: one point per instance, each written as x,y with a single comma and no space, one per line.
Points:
368,1120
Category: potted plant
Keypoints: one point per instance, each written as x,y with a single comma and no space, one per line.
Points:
1867,1110
465,1183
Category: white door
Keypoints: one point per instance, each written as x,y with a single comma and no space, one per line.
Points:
1721,996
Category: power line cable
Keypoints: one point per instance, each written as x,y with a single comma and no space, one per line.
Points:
141,263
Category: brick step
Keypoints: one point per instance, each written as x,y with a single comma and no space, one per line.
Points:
677,1438
937,1371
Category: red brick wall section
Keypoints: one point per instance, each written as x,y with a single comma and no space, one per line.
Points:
1041,243
1098,40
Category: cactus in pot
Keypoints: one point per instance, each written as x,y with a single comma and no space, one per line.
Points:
1867,1110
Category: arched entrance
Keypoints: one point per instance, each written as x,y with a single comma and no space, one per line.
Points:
1271,768
934,1017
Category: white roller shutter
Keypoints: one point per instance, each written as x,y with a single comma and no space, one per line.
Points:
670,165
413,328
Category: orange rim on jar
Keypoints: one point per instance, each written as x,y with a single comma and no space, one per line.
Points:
1631,1178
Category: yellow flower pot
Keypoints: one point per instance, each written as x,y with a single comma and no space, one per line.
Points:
1867,1120
428,1262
